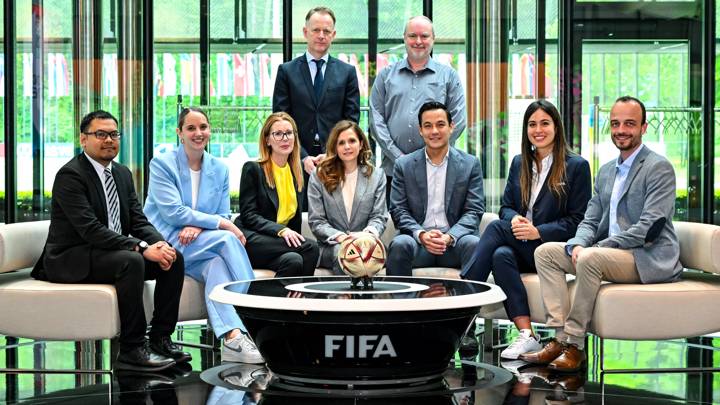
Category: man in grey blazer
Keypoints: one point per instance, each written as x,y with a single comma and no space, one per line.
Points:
626,237
436,200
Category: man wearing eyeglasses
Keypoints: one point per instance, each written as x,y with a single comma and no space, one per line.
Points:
401,88
316,89
99,234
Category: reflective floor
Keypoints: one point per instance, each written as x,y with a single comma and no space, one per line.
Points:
462,383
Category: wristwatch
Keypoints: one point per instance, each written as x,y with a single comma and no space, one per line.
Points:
142,246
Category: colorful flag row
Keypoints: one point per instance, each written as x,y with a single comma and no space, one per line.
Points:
238,75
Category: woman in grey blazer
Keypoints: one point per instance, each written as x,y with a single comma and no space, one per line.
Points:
345,193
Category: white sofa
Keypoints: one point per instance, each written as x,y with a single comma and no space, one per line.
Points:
42,310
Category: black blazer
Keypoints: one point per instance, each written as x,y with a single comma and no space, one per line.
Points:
259,204
294,94
556,220
79,221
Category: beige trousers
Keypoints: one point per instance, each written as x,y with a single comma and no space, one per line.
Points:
594,265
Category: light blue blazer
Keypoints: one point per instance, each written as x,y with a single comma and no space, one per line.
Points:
170,194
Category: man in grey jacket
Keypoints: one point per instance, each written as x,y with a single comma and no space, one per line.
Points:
626,237
437,200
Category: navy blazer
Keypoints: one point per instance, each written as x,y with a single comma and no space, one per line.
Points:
555,219
464,198
339,99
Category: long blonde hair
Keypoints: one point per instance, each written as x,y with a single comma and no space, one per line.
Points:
331,170
266,150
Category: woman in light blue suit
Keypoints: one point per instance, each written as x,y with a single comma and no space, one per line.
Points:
189,203
345,194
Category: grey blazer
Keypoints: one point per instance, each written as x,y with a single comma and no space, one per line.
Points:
644,215
326,211
464,198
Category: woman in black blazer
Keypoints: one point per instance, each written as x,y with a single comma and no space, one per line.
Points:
271,203
545,198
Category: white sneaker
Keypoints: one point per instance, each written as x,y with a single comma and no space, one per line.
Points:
525,342
245,374
241,349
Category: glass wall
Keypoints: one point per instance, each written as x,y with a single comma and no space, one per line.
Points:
2,113
523,46
176,65
245,53
44,102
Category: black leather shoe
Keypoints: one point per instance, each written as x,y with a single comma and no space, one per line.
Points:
141,359
167,348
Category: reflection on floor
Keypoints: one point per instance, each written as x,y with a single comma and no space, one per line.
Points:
531,385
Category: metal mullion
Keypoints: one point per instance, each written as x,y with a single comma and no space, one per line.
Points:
148,89
709,113
540,49
204,51
428,8
10,114
38,116
287,30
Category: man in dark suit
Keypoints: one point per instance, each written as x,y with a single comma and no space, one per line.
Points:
436,200
99,234
316,89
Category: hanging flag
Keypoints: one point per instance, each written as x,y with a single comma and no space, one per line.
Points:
382,62
361,73
221,72
276,59
462,69
51,77
2,77
239,75
185,74
251,68
195,80
110,75
62,76
169,75
27,74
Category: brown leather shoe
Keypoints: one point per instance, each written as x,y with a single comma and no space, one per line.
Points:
568,382
570,360
544,356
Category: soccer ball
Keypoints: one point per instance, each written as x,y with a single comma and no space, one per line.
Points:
361,255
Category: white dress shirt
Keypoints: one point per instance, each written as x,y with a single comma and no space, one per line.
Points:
435,217
313,66
100,170
195,183
348,191
537,182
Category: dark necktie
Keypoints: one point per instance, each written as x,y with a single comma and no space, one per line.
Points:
319,79
113,203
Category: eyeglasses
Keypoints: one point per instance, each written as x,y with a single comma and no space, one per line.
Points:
279,135
103,135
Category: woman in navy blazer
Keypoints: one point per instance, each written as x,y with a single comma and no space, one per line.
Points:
545,198
189,203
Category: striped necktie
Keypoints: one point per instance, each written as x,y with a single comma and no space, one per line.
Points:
113,203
